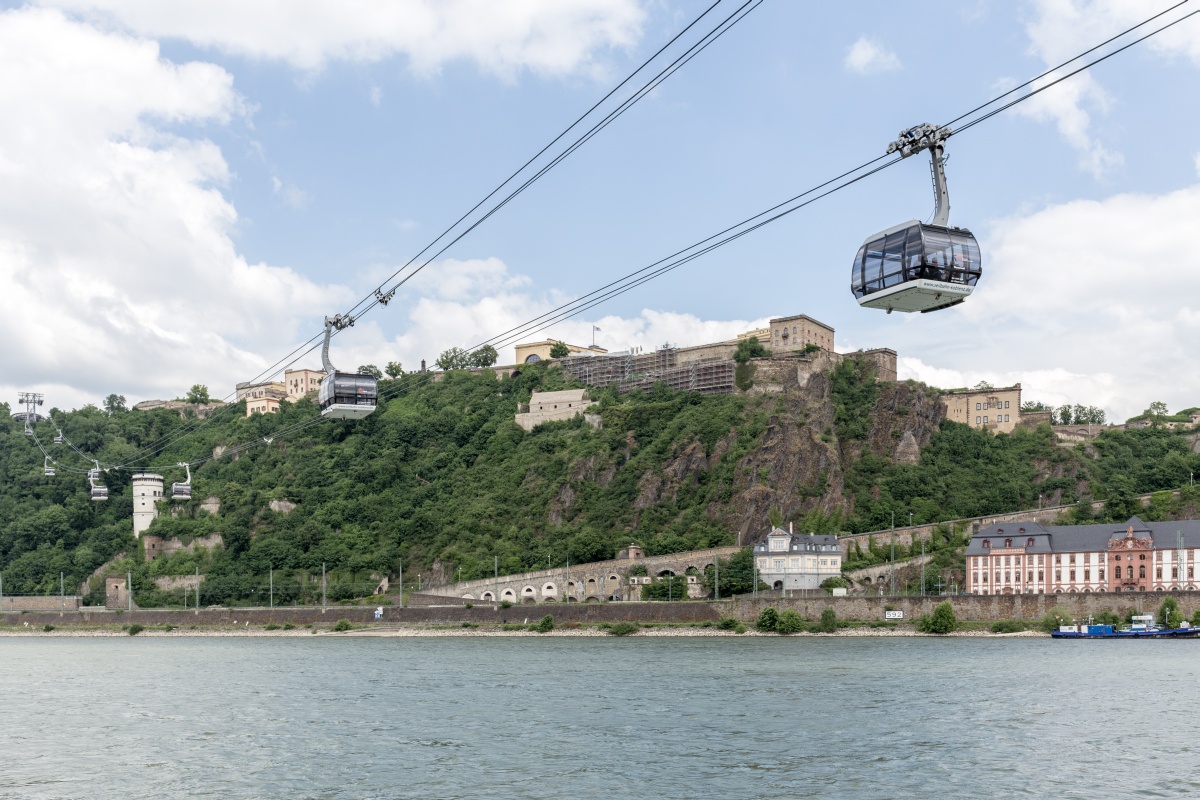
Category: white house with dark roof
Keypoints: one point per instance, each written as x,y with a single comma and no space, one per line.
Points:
789,560
1133,556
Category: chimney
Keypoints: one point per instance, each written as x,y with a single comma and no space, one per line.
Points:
789,527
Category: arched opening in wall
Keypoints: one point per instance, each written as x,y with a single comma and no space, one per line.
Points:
488,597
468,597
1058,591
866,579
777,585
549,600
591,598
614,598
528,595
509,595
1087,591
666,573
1008,590
549,590
1071,590
614,579
1100,590
1158,588
691,571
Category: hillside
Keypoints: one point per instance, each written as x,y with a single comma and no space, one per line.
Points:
442,480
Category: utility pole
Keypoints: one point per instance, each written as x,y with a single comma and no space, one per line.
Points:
717,577
272,589
129,589
62,597
197,591
496,578
1,592
922,567
323,596
893,579
400,568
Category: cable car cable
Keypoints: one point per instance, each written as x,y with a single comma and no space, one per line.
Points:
690,53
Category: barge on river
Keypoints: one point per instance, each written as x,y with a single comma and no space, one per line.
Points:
1143,627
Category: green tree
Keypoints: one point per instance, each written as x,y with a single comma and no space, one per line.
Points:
484,356
828,623
370,369
942,621
1065,415
749,348
393,369
545,625
454,358
670,587
559,350
775,517
198,394
737,574
115,404
1169,615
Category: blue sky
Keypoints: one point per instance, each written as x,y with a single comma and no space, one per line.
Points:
193,185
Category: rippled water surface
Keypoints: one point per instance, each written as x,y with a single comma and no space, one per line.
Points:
596,718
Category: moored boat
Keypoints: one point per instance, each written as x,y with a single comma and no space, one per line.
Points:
1143,627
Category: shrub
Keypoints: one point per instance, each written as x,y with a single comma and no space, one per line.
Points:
1053,618
287,626
545,625
942,620
270,626
134,630
727,623
739,628
836,582
168,628
1107,617
622,628
1008,626
1169,615
342,625
469,604
828,623
571,626
47,627
469,625
767,620
505,604
789,622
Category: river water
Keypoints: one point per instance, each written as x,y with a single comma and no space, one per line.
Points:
329,717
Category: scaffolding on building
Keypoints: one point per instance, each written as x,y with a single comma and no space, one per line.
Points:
629,371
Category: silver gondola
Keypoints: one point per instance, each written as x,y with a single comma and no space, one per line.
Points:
58,437
344,395
916,266
98,492
49,470
183,491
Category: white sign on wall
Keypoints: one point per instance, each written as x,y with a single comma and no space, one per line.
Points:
893,615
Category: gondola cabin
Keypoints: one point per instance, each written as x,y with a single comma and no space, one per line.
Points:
181,491
99,493
347,395
916,267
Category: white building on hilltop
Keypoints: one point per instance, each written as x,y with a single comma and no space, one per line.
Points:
553,406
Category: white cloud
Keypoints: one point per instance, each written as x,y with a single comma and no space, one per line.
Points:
1058,30
292,196
1196,162
501,36
116,255
376,96
868,56
1090,302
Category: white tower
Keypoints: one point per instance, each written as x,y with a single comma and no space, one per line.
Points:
147,491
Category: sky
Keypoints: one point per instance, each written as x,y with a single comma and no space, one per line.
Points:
188,188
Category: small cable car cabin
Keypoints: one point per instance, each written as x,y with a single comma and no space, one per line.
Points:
98,492
344,395
916,266
183,491
48,469
347,395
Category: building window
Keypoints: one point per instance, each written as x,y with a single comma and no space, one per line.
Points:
779,563
1058,559
1006,404
1141,571
978,406
987,543
977,420
1158,573
1087,574
1058,576
1008,542
1174,573
1101,573
1072,576
975,578
1041,575
1029,578
985,419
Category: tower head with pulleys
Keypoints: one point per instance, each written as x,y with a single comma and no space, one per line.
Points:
932,138
336,322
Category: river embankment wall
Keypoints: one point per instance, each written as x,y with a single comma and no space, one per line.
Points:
746,608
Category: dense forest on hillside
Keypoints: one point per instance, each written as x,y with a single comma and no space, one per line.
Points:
442,480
